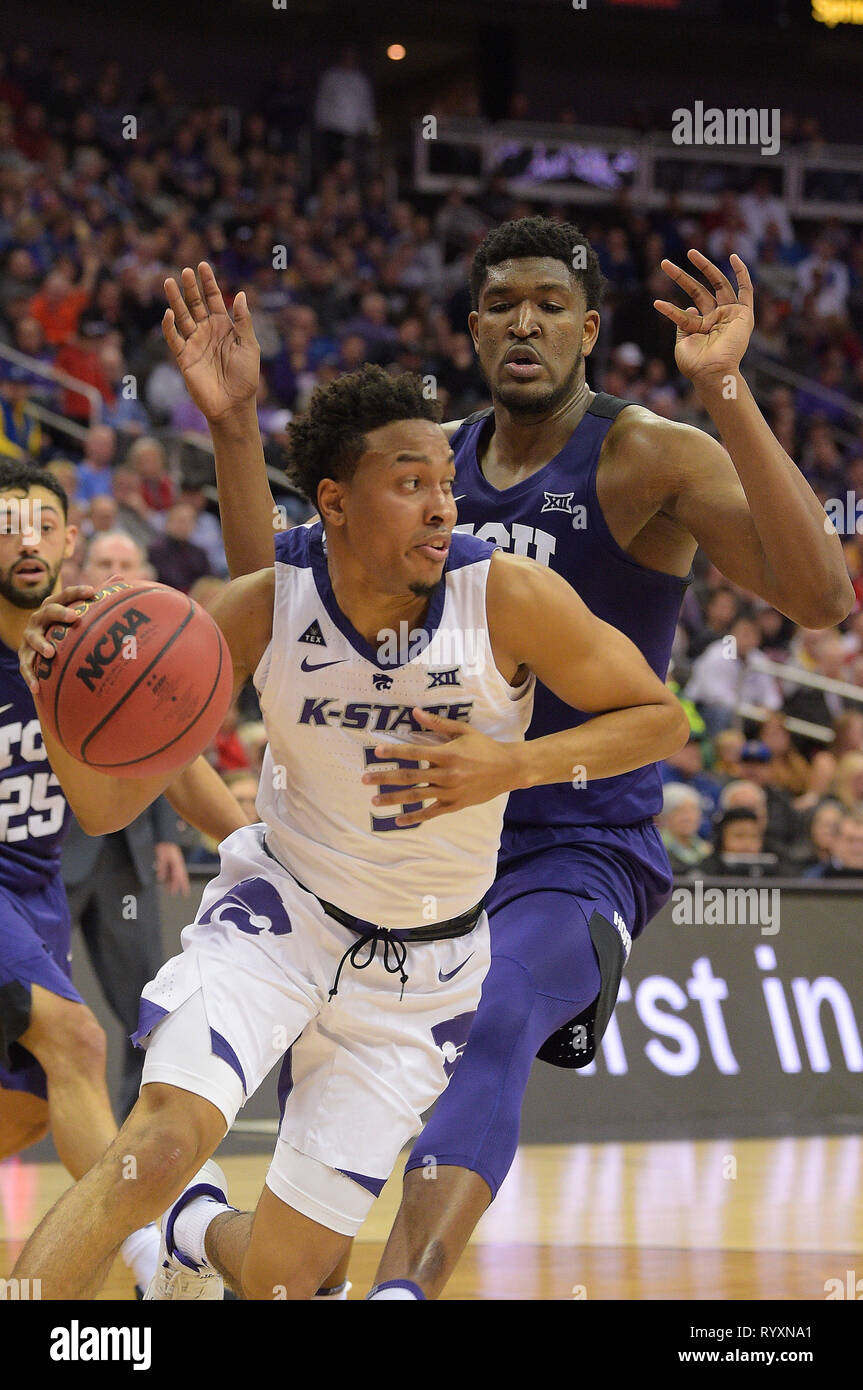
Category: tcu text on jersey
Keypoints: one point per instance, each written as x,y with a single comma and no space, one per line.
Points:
31,804
515,537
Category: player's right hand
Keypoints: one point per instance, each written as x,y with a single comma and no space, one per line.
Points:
54,611
219,357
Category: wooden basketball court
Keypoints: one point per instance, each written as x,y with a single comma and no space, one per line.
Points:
750,1219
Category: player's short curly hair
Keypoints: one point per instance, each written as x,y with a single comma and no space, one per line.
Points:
539,236
330,439
18,474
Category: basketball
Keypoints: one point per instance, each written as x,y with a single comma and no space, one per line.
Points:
140,685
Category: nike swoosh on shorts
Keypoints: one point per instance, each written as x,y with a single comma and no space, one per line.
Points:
443,976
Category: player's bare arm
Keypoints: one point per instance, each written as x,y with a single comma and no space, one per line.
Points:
103,804
200,797
220,361
750,507
538,623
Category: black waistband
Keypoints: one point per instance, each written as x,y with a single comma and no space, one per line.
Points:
440,931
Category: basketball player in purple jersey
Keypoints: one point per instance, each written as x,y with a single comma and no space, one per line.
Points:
52,1049
616,500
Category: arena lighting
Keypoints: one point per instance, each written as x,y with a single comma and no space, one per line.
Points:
396,52
833,12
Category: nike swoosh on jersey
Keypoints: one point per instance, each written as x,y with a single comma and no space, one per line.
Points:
461,497
447,975
3,708
319,665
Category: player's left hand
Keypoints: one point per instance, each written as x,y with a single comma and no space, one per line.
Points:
170,867
714,332
53,612
466,770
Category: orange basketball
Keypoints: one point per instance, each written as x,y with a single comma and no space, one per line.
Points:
139,685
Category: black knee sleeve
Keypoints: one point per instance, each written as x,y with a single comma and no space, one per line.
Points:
575,1044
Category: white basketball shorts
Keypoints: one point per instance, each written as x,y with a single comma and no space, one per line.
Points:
251,989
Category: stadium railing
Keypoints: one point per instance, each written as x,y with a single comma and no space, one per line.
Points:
595,164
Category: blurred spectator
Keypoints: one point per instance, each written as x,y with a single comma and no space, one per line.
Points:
726,675
59,304
821,837
175,558
678,825
147,458
94,470
344,109
207,533
823,282
846,859
687,767
720,610
849,732
819,707
123,410
113,553
762,210
848,781
783,822
789,770
727,747
20,431
101,515
739,848
133,514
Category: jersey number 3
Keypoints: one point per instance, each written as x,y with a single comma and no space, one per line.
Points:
382,823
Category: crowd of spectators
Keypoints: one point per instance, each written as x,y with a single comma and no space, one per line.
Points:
341,268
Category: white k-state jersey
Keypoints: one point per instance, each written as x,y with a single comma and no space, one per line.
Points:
327,701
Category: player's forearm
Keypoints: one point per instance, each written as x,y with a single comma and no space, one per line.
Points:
605,746
786,513
246,504
200,797
101,804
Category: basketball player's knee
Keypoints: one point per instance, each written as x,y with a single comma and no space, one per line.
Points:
268,1278
170,1134
76,1047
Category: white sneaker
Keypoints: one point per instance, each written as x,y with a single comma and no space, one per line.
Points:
176,1276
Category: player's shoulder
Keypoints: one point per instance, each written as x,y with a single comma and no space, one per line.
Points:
467,550
454,429
293,547
638,435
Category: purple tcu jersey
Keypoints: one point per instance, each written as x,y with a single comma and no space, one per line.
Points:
34,813
554,517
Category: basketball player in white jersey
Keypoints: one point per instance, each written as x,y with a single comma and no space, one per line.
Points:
345,937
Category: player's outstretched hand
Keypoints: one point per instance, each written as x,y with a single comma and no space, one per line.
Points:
218,356
714,332
53,612
466,770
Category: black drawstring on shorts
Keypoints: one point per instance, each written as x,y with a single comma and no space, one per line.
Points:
371,937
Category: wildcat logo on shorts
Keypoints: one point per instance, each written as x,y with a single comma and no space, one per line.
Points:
253,906
451,1038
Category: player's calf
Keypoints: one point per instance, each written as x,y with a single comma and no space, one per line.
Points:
164,1141
23,1121
289,1255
